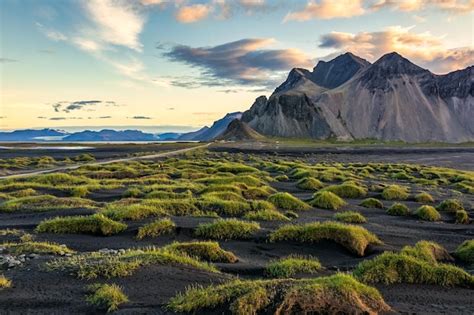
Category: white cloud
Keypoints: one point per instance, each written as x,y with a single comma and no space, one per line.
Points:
51,34
117,22
327,9
424,49
87,44
193,13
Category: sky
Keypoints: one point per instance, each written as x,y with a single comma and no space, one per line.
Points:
183,64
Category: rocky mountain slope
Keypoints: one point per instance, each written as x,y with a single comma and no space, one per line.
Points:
209,133
240,131
349,98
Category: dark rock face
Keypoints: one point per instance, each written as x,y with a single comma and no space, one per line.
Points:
239,131
347,98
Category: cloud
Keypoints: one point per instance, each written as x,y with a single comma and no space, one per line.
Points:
450,6
424,49
104,117
193,13
243,62
87,44
117,22
7,60
61,118
50,33
327,9
79,105
140,117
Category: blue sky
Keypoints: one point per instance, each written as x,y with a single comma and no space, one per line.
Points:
186,63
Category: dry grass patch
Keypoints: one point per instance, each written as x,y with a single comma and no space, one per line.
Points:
395,192
352,237
36,248
44,203
5,282
350,217
424,197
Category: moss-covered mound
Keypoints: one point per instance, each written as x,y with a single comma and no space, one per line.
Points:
96,224
337,294
371,203
266,215
450,206
395,192
227,229
327,200
428,251
309,183
398,209
424,197
287,201
354,238
427,213
350,217
208,251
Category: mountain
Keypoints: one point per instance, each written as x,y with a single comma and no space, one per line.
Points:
349,98
31,134
240,131
217,128
168,136
110,135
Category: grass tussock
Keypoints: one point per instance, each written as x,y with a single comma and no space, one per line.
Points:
309,183
427,213
132,212
465,252
428,251
352,237
462,217
398,209
287,201
350,217
44,203
156,228
395,192
31,247
290,266
95,264
347,190
5,282
336,294
107,297
224,207
266,215
227,229
207,251
424,197
327,200
371,203
450,206
96,224
258,192
391,268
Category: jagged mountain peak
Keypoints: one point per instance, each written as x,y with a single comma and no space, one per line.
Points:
394,63
342,60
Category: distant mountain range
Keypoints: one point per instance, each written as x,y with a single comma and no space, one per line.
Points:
349,98
210,133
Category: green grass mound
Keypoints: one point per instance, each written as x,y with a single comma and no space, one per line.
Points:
156,228
428,251
182,207
31,247
96,264
398,209
290,266
424,197
44,203
336,294
223,188
371,203
224,207
352,237
258,205
427,213
391,268
106,297
5,282
132,211
227,229
450,206
327,200
96,224
266,215
287,201
224,195
258,192
395,192
309,183
350,217
465,252
282,178
347,190
462,217
208,251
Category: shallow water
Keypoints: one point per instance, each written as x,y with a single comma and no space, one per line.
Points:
46,148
